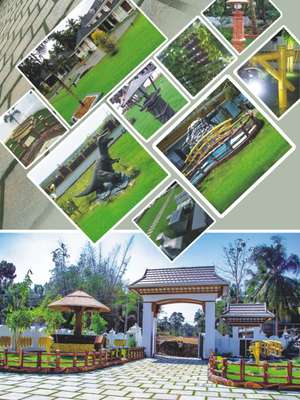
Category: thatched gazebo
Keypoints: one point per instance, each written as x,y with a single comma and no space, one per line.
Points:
78,302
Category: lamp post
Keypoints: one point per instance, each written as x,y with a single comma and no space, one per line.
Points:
153,103
238,28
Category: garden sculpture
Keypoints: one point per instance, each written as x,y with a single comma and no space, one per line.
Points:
265,349
106,182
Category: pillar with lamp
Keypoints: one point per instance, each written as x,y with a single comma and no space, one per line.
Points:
238,27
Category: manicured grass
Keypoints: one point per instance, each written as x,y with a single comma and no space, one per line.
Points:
30,361
149,216
230,180
96,219
145,123
256,372
141,39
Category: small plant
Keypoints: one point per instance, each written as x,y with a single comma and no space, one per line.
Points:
104,40
98,324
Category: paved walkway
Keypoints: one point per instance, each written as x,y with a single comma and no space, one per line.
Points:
161,379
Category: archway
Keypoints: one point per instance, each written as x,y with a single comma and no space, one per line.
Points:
198,285
180,325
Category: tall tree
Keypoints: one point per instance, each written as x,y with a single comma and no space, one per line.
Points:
274,281
60,258
7,276
10,116
176,321
237,258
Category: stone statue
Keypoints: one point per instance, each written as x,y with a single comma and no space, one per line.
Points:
105,182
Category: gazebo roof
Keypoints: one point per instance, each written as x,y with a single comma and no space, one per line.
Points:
180,280
136,84
78,300
247,314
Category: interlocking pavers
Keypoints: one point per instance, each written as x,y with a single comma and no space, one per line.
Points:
160,378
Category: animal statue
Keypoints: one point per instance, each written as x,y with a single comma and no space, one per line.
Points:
104,177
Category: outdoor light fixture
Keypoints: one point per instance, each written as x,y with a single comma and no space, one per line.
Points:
150,102
256,87
238,29
238,4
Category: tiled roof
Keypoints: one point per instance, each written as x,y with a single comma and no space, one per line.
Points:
247,311
186,276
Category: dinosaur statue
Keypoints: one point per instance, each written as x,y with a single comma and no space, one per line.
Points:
105,180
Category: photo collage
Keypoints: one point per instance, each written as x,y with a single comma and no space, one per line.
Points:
149,227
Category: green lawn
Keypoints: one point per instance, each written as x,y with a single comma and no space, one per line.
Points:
146,220
145,123
96,219
230,180
141,39
30,360
278,369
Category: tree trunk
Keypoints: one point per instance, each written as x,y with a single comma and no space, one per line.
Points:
253,17
78,323
276,325
70,91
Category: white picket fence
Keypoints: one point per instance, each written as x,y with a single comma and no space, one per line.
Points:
135,333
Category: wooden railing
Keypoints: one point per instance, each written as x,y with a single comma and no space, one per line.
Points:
60,362
264,374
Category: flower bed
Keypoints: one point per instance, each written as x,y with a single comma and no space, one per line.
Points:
63,362
265,375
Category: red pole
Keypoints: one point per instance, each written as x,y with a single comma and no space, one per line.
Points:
290,372
238,30
266,366
242,370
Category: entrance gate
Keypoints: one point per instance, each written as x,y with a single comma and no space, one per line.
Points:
196,285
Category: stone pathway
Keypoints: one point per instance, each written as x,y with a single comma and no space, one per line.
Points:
161,379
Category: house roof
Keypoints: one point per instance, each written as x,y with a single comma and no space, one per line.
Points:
87,27
247,314
78,300
180,280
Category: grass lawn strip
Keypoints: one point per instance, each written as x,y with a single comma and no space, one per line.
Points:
97,219
231,179
145,123
31,361
162,225
140,40
277,369
159,215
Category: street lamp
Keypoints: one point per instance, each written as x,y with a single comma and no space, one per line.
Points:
238,29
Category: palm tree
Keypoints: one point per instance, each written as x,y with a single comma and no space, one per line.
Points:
52,65
274,281
10,116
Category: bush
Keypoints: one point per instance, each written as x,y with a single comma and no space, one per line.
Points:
98,324
103,39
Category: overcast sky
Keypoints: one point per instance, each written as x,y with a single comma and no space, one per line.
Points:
33,250
27,106
69,145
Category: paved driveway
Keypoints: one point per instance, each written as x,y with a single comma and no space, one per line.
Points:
162,379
